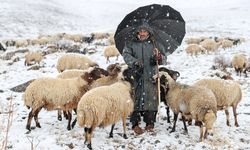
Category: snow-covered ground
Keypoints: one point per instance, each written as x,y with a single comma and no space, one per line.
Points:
28,19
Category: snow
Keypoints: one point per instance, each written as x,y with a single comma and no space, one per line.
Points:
29,19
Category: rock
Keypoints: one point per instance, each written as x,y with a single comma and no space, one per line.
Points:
7,56
22,51
74,49
35,67
22,87
71,146
49,51
16,59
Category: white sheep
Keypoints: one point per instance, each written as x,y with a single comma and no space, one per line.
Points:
111,51
240,63
34,42
227,92
163,90
111,39
21,43
105,105
194,102
194,49
74,61
210,45
112,77
74,37
100,35
193,40
225,43
56,93
113,70
33,56
67,74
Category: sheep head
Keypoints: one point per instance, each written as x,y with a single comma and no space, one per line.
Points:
114,69
127,75
93,74
174,74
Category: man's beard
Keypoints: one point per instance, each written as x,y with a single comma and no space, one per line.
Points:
143,38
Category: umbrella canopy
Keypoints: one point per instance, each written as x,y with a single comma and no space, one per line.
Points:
166,26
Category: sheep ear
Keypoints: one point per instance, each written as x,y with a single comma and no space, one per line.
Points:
87,77
97,73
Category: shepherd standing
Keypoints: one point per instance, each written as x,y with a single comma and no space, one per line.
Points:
140,55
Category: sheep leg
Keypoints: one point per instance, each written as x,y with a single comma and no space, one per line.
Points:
235,116
190,121
237,71
29,120
124,127
205,135
75,111
65,115
73,123
184,123
36,117
111,131
69,120
168,116
245,71
107,60
85,135
227,115
175,119
201,133
88,134
59,115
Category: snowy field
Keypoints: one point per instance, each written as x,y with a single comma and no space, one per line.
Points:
29,19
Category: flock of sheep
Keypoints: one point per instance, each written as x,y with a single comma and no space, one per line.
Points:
102,97
202,45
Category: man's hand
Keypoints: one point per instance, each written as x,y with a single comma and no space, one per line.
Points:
156,57
138,66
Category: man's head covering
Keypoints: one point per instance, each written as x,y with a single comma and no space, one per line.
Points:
144,26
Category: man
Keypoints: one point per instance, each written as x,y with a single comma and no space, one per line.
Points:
140,56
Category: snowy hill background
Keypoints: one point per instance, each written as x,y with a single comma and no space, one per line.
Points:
29,19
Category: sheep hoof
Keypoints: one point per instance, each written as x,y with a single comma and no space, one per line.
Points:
110,135
73,124
60,118
28,127
86,142
237,125
68,128
38,125
173,130
89,146
185,132
125,136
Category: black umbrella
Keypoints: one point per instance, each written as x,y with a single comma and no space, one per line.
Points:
167,24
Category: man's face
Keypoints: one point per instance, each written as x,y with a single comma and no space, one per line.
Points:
143,34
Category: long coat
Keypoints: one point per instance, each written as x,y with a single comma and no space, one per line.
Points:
145,90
